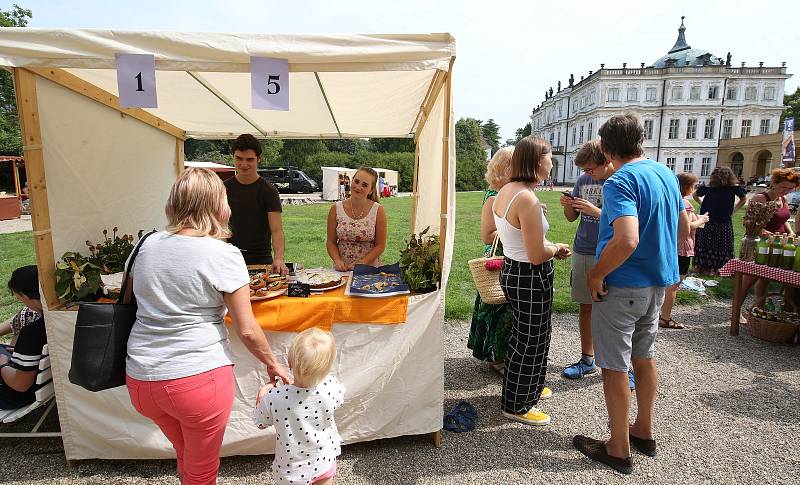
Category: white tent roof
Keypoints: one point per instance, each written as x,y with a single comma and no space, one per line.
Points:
342,85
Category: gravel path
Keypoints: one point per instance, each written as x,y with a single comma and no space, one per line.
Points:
728,411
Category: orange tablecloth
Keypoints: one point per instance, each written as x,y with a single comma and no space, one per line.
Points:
285,314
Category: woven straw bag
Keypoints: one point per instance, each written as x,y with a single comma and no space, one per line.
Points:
487,281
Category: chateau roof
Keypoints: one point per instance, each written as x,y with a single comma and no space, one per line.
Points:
682,54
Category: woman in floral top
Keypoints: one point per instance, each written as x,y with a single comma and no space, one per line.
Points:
357,226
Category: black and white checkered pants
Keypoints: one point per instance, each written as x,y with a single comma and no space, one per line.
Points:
529,291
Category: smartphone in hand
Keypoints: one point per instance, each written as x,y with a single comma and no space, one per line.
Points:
567,193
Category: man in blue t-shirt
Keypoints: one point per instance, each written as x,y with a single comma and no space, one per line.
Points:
637,259
585,202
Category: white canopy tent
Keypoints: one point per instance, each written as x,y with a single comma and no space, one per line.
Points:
92,165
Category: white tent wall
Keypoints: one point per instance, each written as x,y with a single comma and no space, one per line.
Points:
390,177
103,170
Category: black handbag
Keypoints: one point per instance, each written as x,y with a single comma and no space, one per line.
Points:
100,345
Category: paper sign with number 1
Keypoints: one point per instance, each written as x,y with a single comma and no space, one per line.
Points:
136,80
269,81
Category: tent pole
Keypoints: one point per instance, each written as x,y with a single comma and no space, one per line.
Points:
78,85
211,89
414,195
445,215
327,103
179,156
17,185
433,95
28,108
424,100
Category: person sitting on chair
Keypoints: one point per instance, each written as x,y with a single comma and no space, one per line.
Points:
18,372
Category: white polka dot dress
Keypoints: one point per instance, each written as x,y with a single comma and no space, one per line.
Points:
307,439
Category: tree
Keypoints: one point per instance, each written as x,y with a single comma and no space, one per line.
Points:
792,102
470,157
523,132
388,145
298,153
491,133
10,137
346,145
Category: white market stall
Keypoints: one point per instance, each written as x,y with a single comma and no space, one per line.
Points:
92,165
330,180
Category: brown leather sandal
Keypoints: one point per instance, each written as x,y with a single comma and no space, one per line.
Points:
664,323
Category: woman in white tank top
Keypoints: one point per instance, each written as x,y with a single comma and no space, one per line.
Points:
527,281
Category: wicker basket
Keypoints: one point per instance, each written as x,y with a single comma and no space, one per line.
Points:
778,332
487,281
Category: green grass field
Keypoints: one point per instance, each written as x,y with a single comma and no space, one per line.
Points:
305,235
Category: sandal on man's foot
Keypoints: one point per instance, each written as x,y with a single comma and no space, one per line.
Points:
596,450
664,323
645,446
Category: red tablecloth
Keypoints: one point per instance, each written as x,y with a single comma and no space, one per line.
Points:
748,267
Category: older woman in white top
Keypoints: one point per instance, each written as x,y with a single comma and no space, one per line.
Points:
179,370
527,280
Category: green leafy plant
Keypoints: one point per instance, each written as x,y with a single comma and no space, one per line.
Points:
77,278
110,254
419,262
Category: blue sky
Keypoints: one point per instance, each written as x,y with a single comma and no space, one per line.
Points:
508,52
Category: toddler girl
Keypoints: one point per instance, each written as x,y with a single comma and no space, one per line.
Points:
302,413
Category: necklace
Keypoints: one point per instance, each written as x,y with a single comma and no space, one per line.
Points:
353,210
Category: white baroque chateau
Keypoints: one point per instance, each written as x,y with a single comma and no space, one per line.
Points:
688,100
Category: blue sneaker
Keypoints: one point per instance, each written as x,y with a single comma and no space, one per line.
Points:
579,369
631,381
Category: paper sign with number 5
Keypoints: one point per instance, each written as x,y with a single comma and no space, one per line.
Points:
136,80
269,81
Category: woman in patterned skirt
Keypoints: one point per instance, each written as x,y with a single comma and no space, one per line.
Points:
527,281
714,241
488,334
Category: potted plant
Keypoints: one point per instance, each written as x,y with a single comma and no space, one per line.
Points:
419,262
77,278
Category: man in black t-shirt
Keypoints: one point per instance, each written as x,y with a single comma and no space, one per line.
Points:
18,373
255,208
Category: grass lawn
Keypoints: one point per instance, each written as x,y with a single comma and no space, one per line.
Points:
305,241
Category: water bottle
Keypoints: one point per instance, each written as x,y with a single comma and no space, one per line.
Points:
776,252
762,250
788,254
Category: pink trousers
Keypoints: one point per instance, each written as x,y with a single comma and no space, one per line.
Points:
192,412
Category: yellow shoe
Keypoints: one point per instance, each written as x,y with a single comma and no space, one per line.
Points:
547,393
533,417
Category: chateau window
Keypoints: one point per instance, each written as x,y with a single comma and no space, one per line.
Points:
580,137
731,93
694,94
750,93
648,129
712,92
559,109
691,129
705,167
671,163
727,129
673,129
558,137
613,94
552,135
747,125
574,134
650,94
709,131
589,132
633,94
677,92
764,130
688,164
575,105
769,93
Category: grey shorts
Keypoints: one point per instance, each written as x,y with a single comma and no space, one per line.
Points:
581,264
625,324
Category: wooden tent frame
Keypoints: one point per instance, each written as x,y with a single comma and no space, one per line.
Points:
28,109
